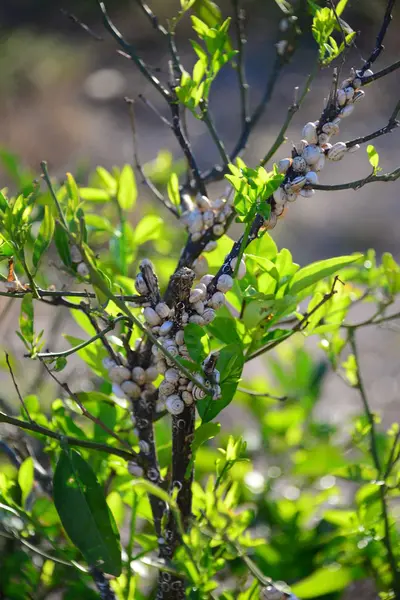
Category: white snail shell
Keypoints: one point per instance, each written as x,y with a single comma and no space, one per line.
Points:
218,230
331,128
187,398
151,316
337,151
309,132
75,253
321,163
203,202
197,319
218,203
307,193
207,279
299,164
272,221
311,154
199,307
217,392
161,367
183,351
108,363
134,469
323,139
171,347
208,218
151,374
349,91
82,270
195,222
291,196
200,266
174,405
208,315
359,95
284,164
131,389
224,283
368,73
341,97
196,236
119,374
297,183
144,447
166,388
163,310
171,375
346,111
210,246
242,268
138,375
312,178
280,196
198,393
217,300
354,148
166,327
140,285
180,337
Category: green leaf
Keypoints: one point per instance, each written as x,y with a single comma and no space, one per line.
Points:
26,318
83,510
62,244
73,191
44,237
127,191
196,341
94,195
326,580
373,157
109,182
230,364
173,191
149,228
205,432
26,478
308,276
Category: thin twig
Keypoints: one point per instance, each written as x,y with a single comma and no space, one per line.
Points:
262,394
391,124
359,183
240,67
380,37
17,389
78,22
70,440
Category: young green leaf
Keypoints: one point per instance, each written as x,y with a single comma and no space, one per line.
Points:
44,237
84,513
196,341
26,318
127,191
309,275
62,244
173,191
373,157
149,228
26,478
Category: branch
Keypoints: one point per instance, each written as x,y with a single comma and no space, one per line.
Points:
359,183
386,71
240,67
17,389
392,124
262,394
78,22
380,37
130,50
70,440
71,294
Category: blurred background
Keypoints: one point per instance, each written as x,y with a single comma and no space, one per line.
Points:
61,99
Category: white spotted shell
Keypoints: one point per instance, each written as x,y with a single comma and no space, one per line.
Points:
311,154
174,405
299,164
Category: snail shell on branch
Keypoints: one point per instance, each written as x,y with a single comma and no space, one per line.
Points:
271,593
307,193
284,164
172,375
341,97
166,388
198,319
208,315
144,447
131,389
297,183
174,405
218,230
346,111
163,310
138,375
299,164
140,285
207,279
224,283
198,393
151,374
134,469
166,328
187,398
311,178
180,337
217,300
210,246
200,266
119,374
242,268
311,154
309,132
151,316
337,151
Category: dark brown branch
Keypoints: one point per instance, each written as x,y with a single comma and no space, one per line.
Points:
380,37
239,18
78,22
359,183
17,388
393,123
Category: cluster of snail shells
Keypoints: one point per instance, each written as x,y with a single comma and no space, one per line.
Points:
204,214
309,156
76,258
130,383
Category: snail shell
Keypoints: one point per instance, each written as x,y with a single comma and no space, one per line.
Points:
210,246
284,165
134,469
75,253
166,328
271,222
131,389
354,148
138,375
144,447
323,139
297,183
161,367
208,315
242,268
197,319
151,316
218,230
311,154
217,392
204,202
337,151
163,310
349,91
271,593
196,236
280,196
224,283
195,222
217,300
166,388
321,163
180,337
341,97
207,279
151,374
174,405
368,73
307,193
309,132
198,393
108,363
208,218
199,307
200,266
359,95
299,164
346,111
172,375
187,398
311,178
331,128
119,374
81,269
140,285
